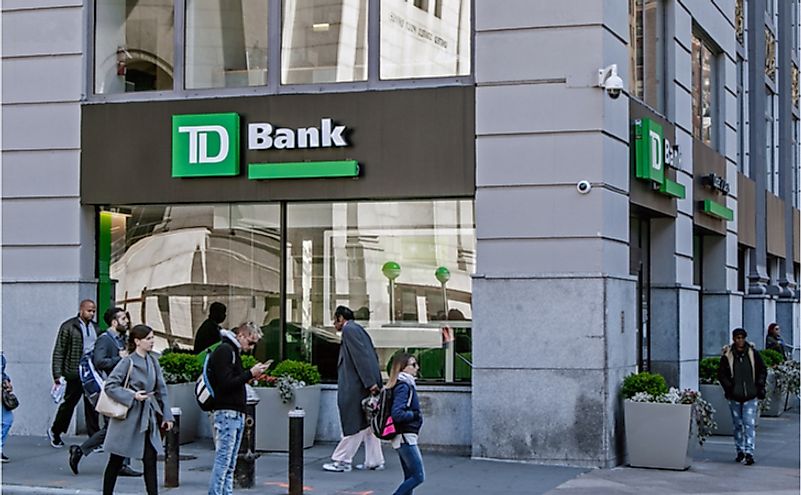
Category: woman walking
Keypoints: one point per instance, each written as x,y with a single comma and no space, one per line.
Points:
137,436
407,420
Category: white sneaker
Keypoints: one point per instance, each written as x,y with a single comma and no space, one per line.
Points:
362,467
337,467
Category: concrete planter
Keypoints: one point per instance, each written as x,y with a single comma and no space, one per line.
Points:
272,420
658,435
776,396
715,396
183,395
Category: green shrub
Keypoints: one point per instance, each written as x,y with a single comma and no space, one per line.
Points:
771,357
650,383
708,370
248,361
304,372
180,367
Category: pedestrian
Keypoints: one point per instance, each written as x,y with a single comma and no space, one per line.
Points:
137,436
407,420
8,416
76,337
109,350
774,340
208,333
742,375
227,379
358,376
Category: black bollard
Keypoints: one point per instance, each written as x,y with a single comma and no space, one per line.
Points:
245,471
296,451
172,451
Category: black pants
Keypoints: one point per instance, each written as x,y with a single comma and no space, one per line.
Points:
72,395
148,462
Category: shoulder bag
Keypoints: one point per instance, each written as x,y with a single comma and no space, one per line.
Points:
109,407
10,401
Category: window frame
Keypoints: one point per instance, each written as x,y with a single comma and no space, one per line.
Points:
660,61
706,42
273,86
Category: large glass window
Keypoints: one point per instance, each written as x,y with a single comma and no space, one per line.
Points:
796,164
704,71
323,41
134,46
771,164
403,267
226,43
646,52
425,38
742,111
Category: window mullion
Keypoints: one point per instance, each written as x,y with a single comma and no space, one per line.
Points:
274,15
373,42
179,27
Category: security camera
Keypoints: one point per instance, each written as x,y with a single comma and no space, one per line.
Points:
609,80
583,186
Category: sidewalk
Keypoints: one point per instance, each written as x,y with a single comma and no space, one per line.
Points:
36,468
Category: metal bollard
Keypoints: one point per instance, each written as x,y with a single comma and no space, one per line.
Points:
245,471
172,451
296,451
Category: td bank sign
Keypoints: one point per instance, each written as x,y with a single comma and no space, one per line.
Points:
207,145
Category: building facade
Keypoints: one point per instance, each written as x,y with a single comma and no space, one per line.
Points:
429,163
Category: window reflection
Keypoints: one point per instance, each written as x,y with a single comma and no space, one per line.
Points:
646,51
704,91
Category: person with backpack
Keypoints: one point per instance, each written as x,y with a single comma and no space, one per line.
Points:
407,421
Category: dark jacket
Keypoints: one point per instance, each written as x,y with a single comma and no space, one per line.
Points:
776,344
407,419
227,378
208,334
107,353
357,371
68,350
738,386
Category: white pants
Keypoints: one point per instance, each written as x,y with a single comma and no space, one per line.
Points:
349,445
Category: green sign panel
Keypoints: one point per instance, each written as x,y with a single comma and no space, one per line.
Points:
649,151
303,170
205,145
717,210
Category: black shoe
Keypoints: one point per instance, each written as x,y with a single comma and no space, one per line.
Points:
55,439
5,459
128,471
75,458
749,459
740,457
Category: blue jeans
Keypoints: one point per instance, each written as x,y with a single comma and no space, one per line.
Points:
228,427
8,419
743,416
412,464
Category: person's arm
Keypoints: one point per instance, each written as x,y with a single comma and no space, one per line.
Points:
114,383
364,359
106,354
226,374
400,397
161,394
761,375
62,342
724,375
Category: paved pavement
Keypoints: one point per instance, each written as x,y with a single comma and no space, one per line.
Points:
36,468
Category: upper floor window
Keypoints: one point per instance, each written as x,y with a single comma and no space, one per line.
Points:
704,68
771,164
646,51
742,113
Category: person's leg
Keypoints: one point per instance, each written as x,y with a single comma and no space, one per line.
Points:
91,416
238,429
94,441
72,395
414,472
347,448
149,467
8,420
110,475
373,455
736,409
225,438
749,412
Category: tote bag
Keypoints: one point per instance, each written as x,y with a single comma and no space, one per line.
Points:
109,407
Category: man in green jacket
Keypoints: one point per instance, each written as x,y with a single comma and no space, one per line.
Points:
76,337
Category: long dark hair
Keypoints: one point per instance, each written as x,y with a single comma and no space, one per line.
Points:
137,332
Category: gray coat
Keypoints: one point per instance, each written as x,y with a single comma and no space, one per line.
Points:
357,371
126,437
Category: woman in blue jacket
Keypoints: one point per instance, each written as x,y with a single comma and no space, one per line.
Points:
407,420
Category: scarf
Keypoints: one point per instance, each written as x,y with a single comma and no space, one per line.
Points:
406,378
231,336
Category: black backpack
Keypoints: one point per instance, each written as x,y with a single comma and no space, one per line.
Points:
381,417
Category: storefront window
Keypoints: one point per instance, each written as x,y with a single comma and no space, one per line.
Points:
646,51
425,39
134,46
323,41
704,71
403,267
226,43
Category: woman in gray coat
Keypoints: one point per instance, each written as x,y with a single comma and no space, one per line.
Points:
138,435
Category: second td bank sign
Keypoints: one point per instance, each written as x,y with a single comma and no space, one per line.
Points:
206,145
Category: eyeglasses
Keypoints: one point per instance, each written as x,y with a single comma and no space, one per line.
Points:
416,365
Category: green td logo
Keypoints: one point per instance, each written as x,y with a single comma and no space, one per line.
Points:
205,145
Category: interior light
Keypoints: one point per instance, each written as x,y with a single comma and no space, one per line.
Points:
320,27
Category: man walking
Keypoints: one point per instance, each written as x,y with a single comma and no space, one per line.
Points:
358,376
742,375
208,333
227,380
109,350
76,337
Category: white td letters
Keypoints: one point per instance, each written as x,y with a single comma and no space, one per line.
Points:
198,143
263,136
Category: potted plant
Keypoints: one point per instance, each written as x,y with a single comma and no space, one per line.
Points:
713,393
292,384
787,378
659,422
180,372
773,404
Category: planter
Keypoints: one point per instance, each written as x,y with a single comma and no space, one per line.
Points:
715,396
183,395
272,420
776,396
658,435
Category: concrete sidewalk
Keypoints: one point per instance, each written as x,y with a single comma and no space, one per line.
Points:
37,468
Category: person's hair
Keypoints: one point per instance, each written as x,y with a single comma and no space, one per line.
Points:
111,314
248,328
399,363
739,331
217,312
137,332
772,327
344,312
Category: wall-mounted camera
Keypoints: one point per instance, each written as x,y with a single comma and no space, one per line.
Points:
583,186
610,81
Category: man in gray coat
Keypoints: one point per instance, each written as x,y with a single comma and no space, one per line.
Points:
358,376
